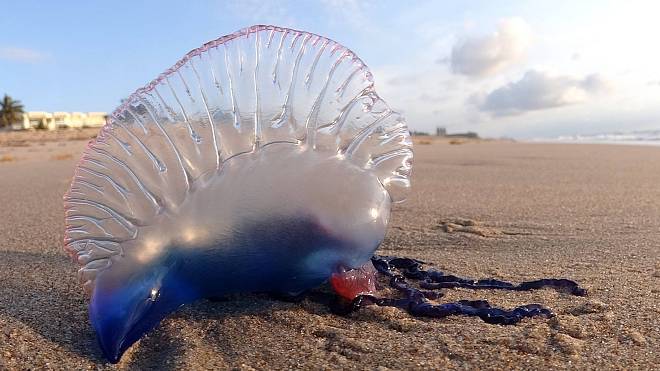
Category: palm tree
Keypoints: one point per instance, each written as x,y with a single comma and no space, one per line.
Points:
10,110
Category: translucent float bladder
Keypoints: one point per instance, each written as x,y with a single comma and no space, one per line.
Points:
261,161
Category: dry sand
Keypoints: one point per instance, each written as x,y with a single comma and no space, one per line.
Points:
506,210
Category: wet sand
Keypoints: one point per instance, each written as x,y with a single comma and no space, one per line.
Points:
510,211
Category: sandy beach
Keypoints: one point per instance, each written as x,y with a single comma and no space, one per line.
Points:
590,213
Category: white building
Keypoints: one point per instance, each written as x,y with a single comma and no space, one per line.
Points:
56,120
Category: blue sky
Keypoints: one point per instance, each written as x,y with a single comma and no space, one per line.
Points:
501,68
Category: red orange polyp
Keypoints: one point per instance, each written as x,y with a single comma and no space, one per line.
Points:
350,284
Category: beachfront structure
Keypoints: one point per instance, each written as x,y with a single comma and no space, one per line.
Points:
442,132
57,120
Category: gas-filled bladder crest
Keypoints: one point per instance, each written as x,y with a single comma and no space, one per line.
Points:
261,161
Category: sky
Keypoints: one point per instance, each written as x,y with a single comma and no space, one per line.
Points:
500,68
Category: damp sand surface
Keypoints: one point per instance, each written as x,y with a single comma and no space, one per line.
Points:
511,211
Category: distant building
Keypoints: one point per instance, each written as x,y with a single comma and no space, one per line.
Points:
57,120
442,132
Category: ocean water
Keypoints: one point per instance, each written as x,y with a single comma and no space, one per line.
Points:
641,137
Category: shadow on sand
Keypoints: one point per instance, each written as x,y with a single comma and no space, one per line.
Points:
42,292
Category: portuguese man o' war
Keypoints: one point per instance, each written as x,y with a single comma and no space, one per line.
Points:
263,161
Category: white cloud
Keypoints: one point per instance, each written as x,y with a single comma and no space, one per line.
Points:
539,90
427,95
488,55
22,55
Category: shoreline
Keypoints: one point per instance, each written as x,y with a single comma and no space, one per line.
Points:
644,143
